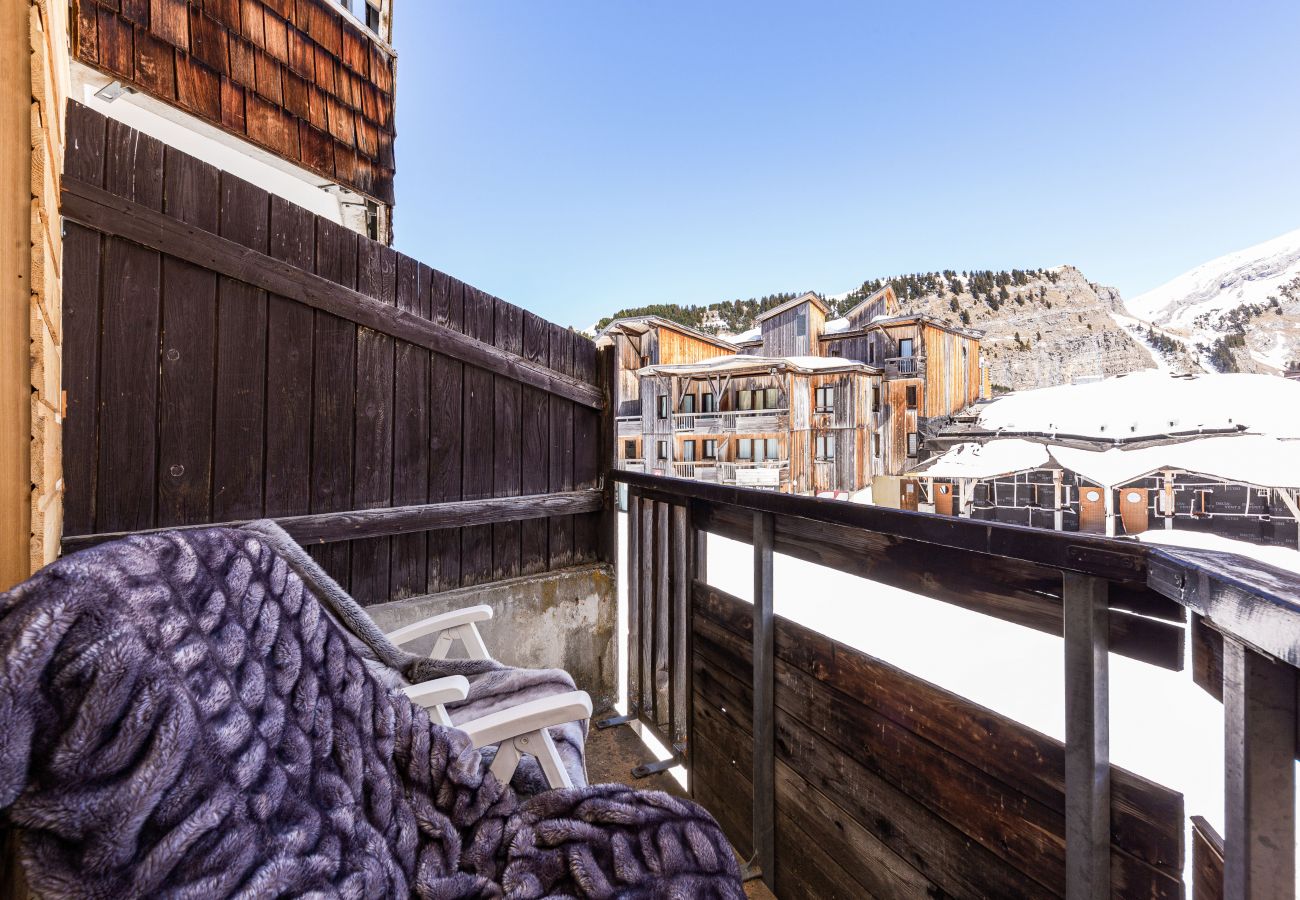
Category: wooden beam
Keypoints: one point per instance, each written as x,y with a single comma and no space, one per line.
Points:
110,214
764,637
1087,738
325,528
1259,723
15,291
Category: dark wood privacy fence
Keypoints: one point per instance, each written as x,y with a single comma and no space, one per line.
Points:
844,776
232,356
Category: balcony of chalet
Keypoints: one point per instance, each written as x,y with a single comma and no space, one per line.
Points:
231,357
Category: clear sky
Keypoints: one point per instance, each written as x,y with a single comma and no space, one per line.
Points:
579,156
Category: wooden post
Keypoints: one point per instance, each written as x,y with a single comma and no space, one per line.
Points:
645,691
662,624
634,566
678,661
15,292
1259,719
764,702
1087,738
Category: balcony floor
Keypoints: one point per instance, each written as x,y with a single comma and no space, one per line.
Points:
612,753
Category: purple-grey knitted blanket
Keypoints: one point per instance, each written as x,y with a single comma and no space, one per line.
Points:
179,718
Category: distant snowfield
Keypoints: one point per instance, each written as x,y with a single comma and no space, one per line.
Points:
1251,275
1162,726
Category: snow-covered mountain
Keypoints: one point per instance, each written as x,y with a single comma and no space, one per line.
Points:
1240,312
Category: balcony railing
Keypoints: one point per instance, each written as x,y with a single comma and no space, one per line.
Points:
631,465
896,366
749,421
628,426
785,731
700,423
769,473
700,470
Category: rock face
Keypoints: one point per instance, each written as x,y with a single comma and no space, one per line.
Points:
1054,327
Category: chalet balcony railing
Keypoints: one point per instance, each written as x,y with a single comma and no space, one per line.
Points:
770,473
628,426
701,470
631,465
700,423
898,366
755,421
836,773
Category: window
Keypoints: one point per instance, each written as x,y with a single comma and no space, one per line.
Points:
688,403
911,396
771,399
688,451
764,448
875,399
708,402
905,348
710,449
663,406
745,448
835,351
629,449
372,18
745,400
913,443
871,352
645,361
771,448
372,220
757,402
825,448
662,449
801,323
875,445
825,399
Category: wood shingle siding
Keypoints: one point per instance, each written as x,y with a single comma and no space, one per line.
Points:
297,77
204,390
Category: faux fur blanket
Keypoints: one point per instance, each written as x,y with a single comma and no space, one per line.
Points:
493,685
180,718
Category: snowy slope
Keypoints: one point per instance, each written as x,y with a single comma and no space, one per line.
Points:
1247,276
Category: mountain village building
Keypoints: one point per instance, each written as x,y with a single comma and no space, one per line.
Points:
878,383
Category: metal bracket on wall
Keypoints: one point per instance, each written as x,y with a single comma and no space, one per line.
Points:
615,720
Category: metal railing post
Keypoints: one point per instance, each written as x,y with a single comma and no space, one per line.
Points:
1087,737
1259,723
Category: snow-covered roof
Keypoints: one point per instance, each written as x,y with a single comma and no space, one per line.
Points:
642,324
835,326
754,334
1251,459
1000,457
1151,404
735,364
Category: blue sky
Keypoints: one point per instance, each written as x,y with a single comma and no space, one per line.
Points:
578,156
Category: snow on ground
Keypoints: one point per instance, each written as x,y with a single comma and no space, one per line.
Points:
1152,403
1137,329
1280,557
1246,276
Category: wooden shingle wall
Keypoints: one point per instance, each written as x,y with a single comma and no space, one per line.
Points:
210,385
296,77
34,88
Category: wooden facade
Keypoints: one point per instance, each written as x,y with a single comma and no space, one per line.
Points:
233,357
793,328
296,77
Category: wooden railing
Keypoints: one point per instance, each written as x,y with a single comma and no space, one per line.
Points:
844,776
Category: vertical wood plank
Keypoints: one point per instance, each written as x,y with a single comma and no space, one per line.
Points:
1259,721
633,581
507,474
81,327
535,448
446,436
679,614
240,413
410,432
764,713
334,367
586,452
662,617
188,368
477,462
645,688
560,356
290,341
130,316
1087,737
372,480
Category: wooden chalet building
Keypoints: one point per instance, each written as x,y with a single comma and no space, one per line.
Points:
796,424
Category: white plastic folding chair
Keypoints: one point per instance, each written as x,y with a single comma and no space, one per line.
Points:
455,627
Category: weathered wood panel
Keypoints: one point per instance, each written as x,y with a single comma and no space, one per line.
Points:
941,793
305,82
1207,861
206,393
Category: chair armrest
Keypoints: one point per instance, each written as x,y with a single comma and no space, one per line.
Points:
545,712
442,622
439,691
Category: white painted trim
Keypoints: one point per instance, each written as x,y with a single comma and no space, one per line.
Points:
232,154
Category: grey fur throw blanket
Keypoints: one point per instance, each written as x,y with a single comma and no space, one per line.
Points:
180,718
493,686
